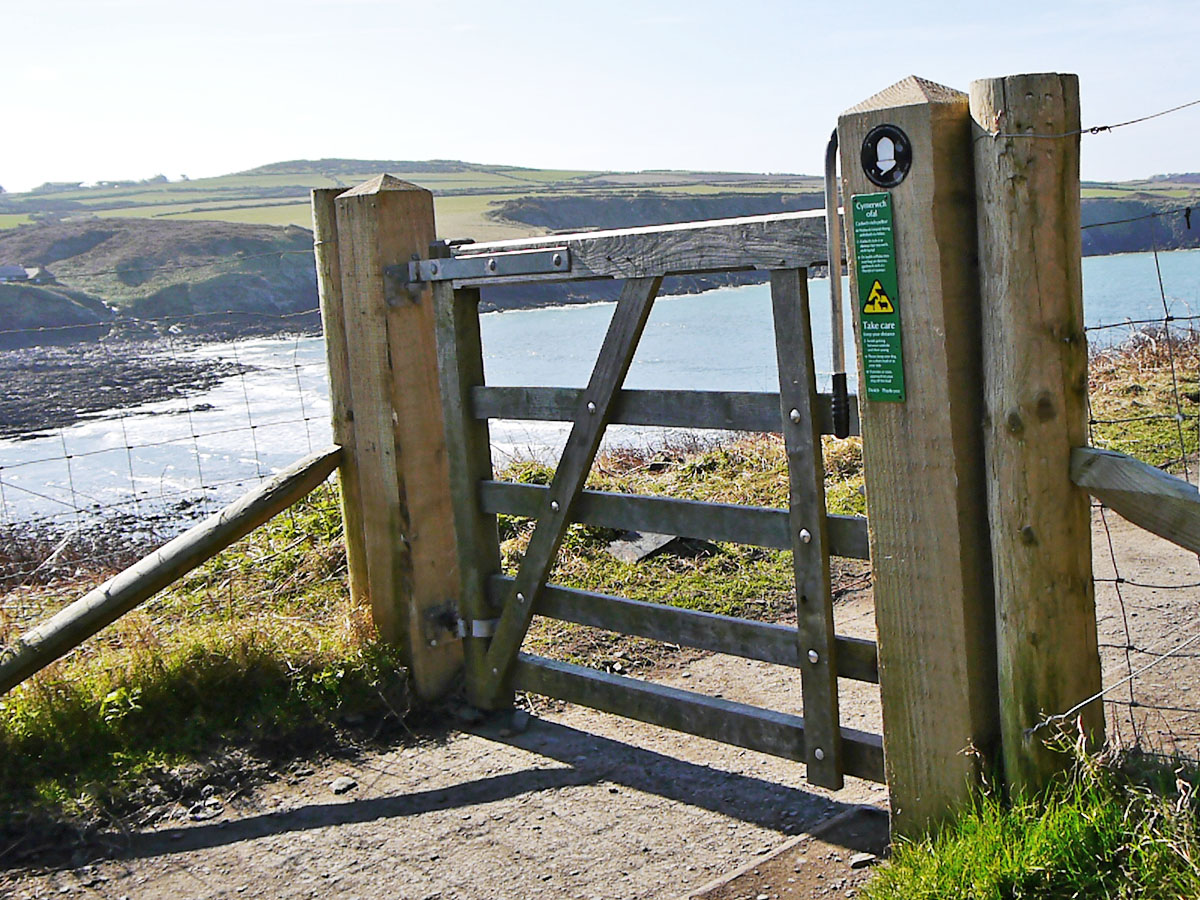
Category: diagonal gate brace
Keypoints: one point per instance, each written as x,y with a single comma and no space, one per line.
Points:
591,417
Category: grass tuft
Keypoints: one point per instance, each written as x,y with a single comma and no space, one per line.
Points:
1120,826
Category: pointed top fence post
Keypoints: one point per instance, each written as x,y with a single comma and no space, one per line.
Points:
923,459
399,445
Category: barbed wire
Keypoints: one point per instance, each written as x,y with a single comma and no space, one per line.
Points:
1094,129
1128,679
1185,211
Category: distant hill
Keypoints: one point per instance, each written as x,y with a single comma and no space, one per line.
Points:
151,269
240,242
469,196
74,314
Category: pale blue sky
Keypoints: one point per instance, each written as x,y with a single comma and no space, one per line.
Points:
129,88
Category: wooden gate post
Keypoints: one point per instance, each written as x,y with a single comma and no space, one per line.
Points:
924,464
1035,375
399,445
337,363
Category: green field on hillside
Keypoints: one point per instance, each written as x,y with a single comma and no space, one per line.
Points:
278,194
474,200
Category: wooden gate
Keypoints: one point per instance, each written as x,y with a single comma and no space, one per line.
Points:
496,610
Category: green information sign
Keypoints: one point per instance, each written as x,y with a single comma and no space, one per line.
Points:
878,297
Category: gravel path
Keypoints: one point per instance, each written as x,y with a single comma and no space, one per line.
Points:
586,805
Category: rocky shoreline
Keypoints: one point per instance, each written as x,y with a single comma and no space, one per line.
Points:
51,387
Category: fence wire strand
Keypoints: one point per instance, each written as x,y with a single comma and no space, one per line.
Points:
1151,614
70,512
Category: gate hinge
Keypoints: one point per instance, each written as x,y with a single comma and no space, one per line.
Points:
484,265
477,628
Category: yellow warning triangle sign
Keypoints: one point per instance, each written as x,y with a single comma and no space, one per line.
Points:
878,303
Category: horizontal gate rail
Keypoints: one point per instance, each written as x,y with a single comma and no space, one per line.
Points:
774,733
777,241
763,641
728,410
758,526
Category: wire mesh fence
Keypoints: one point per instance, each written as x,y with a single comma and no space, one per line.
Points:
110,447
1143,400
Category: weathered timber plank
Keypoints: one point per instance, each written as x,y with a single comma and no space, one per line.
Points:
923,463
774,733
1146,496
44,643
337,361
460,370
783,240
728,410
764,641
808,531
758,526
1035,364
612,363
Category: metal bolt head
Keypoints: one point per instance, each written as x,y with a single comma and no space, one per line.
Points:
491,265
814,657
433,643
818,754
433,267
805,536
591,407
557,259
795,416
554,506
520,597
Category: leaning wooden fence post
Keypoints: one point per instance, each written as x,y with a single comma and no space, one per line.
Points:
1035,376
399,444
337,360
917,329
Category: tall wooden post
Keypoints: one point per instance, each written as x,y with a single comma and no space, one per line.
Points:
337,361
1035,376
399,444
923,458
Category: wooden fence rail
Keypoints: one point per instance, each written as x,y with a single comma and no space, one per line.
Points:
103,605
1146,496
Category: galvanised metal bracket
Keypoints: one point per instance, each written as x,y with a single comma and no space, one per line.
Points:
477,628
485,265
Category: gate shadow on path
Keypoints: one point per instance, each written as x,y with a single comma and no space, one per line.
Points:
590,760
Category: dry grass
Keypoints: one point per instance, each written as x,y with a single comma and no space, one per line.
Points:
1145,396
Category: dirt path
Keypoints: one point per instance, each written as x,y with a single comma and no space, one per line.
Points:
1153,609
586,805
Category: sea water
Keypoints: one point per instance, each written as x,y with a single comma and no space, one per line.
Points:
198,452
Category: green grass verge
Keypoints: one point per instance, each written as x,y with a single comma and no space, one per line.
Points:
1109,828
258,647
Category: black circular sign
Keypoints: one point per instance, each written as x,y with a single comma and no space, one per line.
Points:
886,155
